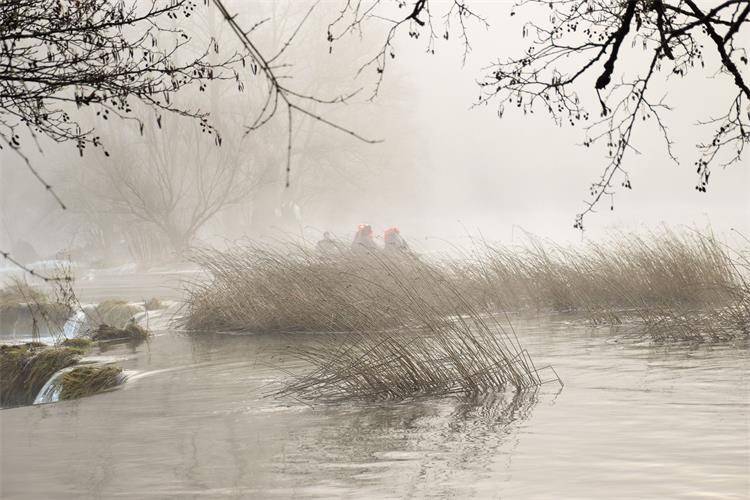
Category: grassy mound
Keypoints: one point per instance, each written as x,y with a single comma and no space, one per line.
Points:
24,369
79,343
89,380
116,313
132,331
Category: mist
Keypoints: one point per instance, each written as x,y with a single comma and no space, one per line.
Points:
442,167
374,249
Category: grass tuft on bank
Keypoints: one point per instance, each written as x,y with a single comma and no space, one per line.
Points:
89,380
25,368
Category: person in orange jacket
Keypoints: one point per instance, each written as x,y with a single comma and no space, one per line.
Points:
363,240
394,241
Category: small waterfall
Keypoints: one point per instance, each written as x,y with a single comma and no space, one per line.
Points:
74,324
50,392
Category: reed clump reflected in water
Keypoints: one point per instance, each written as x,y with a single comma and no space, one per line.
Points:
411,330
419,326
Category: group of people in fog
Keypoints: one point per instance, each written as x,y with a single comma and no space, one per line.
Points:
364,241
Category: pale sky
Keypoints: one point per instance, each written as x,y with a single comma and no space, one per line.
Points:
453,169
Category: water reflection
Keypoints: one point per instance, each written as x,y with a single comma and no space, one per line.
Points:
443,447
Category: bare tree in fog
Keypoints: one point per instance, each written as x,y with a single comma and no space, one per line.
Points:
113,56
170,181
96,53
280,96
579,45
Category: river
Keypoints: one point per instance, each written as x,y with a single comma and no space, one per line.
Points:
194,420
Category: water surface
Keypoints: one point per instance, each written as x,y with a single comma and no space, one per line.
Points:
633,421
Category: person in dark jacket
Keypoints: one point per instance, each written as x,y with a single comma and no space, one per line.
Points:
328,245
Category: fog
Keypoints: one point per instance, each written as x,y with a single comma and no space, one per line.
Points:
443,168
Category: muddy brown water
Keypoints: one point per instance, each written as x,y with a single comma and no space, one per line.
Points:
193,421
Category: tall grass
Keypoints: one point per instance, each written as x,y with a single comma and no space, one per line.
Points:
676,286
626,271
256,288
23,307
416,326
406,336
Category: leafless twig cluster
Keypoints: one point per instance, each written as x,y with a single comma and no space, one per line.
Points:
585,44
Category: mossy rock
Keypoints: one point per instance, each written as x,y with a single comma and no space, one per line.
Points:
88,380
81,344
132,331
25,368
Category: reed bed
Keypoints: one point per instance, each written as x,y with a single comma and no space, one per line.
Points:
431,354
292,289
674,286
629,270
413,326
410,330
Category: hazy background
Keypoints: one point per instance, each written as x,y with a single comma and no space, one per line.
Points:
442,170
